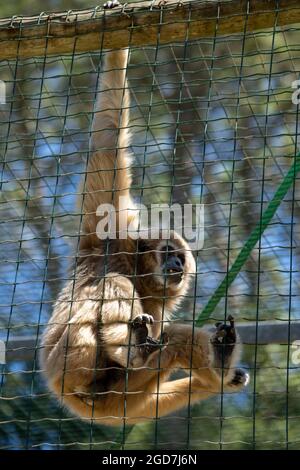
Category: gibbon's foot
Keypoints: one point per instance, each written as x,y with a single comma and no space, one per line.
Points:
224,342
111,4
151,345
240,379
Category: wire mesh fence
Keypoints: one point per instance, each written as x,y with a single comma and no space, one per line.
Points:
214,119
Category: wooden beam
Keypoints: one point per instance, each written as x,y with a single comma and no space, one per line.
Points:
21,348
267,332
139,24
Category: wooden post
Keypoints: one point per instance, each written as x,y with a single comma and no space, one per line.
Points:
266,332
139,24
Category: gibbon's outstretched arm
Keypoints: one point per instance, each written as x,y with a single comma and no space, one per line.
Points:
93,351
108,176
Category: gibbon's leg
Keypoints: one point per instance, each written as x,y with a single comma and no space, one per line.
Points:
193,351
205,376
146,399
199,351
157,401
147,402
170,396
142,396
139,394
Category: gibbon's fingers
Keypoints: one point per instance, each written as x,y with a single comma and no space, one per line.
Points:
111,4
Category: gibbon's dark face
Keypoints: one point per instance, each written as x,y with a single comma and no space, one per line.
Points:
166,263
172,262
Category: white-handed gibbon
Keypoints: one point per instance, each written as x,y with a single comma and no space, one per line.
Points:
111,345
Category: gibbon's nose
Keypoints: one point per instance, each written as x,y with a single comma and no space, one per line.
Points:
173,264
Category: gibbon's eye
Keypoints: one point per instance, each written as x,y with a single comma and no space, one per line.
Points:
142,246
181,257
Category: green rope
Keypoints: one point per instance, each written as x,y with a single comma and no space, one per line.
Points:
251,242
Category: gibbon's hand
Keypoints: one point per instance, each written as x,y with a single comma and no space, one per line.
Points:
111,4
145,343
142,320
225,334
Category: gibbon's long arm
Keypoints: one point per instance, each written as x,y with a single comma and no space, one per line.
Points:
108,173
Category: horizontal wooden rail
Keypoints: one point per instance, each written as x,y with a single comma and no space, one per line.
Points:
139,24
267,332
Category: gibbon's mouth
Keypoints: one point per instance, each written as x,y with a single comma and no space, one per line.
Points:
173,268
174,276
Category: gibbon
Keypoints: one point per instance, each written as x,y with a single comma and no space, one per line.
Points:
111,344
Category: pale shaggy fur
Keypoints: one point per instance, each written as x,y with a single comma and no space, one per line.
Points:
85,354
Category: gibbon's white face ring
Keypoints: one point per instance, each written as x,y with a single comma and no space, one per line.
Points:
164,281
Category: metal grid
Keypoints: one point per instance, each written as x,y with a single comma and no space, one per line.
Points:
213,122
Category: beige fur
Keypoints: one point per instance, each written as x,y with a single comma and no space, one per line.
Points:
88,349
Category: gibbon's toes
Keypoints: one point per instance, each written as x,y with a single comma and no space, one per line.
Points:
142,320
240,379
153,344
111,4
144,349
225,334
152,347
